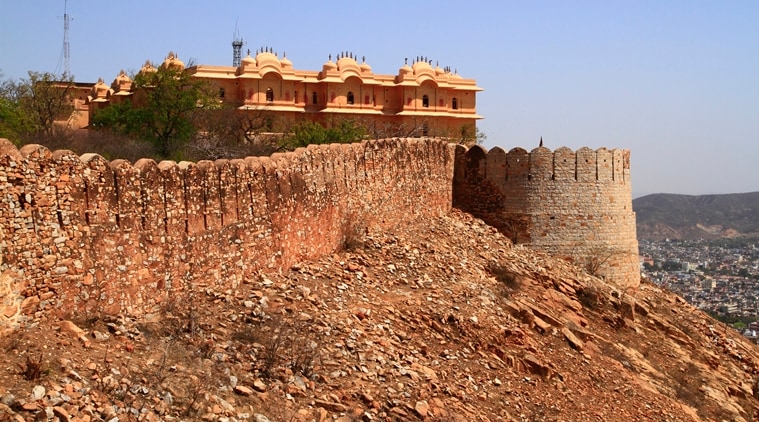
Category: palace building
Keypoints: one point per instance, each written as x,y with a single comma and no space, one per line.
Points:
420,100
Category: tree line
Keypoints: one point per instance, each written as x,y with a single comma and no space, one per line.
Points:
172,115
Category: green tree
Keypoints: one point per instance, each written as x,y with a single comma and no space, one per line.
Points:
30,107
162,112
308,132
13,121
471,135
118,118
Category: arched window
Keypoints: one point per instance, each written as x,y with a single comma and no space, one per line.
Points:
425,101
455,103
221,92
351,99
269,95
314,98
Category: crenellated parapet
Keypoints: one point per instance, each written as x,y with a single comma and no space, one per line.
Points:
84,234
80,233
540,164
574,204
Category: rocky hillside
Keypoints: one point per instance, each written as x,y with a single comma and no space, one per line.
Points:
444,320
662,215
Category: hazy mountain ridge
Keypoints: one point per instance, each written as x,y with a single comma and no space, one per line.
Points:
675,216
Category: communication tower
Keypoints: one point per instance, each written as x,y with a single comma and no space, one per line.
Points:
237,44
66,46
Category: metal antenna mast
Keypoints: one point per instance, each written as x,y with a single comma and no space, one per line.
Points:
66,47
237,44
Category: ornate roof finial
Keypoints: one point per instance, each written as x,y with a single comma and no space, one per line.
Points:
405,60
363,59
330,57
541,141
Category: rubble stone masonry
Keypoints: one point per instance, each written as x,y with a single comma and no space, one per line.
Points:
576,205
80,234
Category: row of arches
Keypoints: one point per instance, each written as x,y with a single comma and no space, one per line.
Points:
426,102
351,99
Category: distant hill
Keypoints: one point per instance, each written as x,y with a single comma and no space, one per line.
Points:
665,215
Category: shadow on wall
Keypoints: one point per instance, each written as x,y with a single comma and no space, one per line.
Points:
565,203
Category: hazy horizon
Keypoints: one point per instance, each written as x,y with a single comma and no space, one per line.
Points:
636,195
675,82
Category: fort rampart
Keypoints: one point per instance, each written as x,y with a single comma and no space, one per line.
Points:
569,204
82,234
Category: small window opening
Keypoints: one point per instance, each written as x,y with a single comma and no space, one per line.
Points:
425,101
269,95
351,99
314,98
455,103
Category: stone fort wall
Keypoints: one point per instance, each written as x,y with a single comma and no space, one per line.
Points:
576,205
81,234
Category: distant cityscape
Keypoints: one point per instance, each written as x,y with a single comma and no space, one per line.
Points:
720,277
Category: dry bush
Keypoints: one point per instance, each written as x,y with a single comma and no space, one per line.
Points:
281,343
110,145
205,147
354,230
590,296
32,369
507,279
596,258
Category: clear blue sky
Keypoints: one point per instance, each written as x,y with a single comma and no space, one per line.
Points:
676,82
